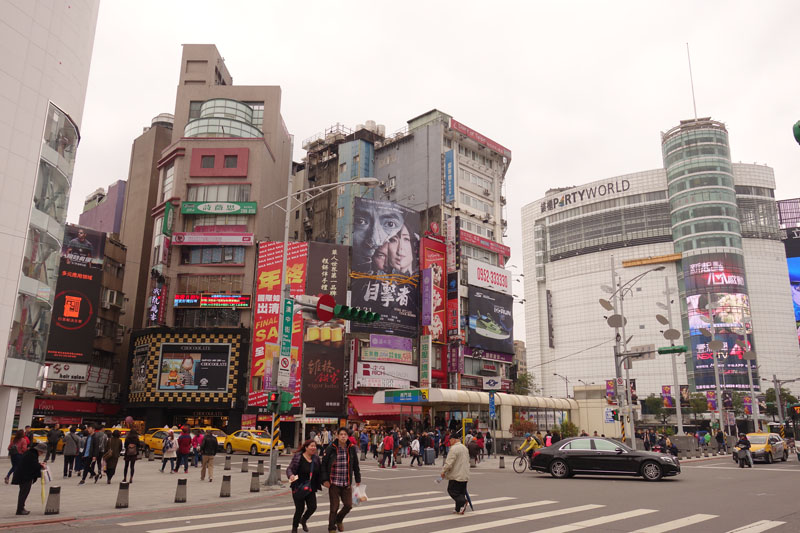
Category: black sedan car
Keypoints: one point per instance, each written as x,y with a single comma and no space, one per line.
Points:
601,456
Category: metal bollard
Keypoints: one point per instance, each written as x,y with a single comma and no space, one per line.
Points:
53,501
122,496
227,462
502,461
244,464
254,482
180,492
225,491
261,467
363,456
150,455
472,463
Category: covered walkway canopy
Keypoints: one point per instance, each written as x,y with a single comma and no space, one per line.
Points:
451,397
365,407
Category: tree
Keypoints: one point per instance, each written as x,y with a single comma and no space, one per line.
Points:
568,429
524,384
738,403
698,404
655,406
772,406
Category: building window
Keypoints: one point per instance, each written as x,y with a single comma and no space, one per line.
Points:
231,161
206,222
215,283
212,255
168,183
391,183
340,212
218,193
474,203
207,161
194,110
206,318
448,142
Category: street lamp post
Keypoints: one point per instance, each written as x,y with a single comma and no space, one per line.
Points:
566,384
310,194
672,335
715,346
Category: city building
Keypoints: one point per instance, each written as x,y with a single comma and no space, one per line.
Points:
713,227
102,211
85,359
230,154
520,357
44,87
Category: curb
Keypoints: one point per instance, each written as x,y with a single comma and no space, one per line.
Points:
42,522
703,459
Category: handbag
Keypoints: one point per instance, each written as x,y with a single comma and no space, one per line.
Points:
305,487
380,448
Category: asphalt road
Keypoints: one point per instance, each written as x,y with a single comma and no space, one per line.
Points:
709,496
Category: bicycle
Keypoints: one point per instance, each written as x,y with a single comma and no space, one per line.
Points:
520,464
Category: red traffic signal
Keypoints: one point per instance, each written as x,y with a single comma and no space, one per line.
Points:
274,397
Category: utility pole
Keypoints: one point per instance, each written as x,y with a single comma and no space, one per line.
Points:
617,343
677,391
777,384
629,406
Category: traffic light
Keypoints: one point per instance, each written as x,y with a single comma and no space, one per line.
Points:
615,414
672,349
285,406
355,314
273,401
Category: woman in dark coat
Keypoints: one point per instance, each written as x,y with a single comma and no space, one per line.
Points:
304,475
113,451
132,448
27,472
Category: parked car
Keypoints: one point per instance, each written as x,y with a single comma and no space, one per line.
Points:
40,435
251,441
602,456
154,440
767,447
218,433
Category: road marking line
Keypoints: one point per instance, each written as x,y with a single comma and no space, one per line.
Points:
253,511
754,468
755,527
432,475
597,521
676,524
394,513
449,516
509,521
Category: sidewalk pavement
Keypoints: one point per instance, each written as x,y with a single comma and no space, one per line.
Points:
151,490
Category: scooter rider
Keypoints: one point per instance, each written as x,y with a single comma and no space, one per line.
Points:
744,444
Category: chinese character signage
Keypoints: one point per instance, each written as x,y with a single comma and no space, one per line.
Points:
285,354
449,177
169,219
390,341
425,349
433,258
387,355
156,307
385,270
211,300
427,303
322,382
385,375
139,368
453,314
219,208
74,315
328,266
490,323
194,367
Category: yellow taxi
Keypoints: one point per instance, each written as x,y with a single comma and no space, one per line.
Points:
154,439
252,441
40,435
220,435
767,447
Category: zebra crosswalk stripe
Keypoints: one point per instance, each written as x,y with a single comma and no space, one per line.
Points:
521,519
597,521
755,527
677,524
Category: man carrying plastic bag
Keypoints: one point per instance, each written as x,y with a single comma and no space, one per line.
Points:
456,471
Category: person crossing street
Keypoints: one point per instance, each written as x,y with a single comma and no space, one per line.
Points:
339,468
456,471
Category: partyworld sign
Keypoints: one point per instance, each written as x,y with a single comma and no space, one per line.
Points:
587,193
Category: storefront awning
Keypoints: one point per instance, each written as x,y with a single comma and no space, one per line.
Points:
364,407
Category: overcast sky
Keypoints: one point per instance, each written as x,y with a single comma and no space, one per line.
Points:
578,91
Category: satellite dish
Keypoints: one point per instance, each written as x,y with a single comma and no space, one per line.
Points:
672,334
716,345
706,332
608,306
664,320
662,306
617,321
607,288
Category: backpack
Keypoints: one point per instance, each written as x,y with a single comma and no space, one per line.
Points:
131,450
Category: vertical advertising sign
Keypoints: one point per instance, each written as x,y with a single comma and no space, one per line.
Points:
611,396
666,396
450,240
285,357
267,315
684,395
427,303
322,382
792,245
453,313
74,313
425,349
711,400
433,257
747,403
449,177
328,265
491,324
385,270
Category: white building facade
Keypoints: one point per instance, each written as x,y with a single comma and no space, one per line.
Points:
711,224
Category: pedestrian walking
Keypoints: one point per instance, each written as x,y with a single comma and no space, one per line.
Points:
184,450
456,471
387,446
169,451
208,449
16,449
721,445
72,444
415,453
132,446
28,472
54,436
304,473
111,457
489,443
197,440
339,467
89,454
102,444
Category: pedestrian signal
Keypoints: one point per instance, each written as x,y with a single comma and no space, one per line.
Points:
273,401
615,414
355,314
285,405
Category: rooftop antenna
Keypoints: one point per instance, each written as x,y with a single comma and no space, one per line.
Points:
691,81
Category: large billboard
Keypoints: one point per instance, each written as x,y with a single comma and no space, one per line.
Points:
74,316
385,272
792,244
433,257
194,367
717,301
82,247
322,383
328,265
491,324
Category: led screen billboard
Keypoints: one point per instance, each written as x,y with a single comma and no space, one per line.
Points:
491,323
194,367
385,271
83,247
792,244
72,332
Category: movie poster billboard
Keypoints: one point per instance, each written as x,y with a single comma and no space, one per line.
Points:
684,395
323,369
74,315
611,392
717,302
83,247
792,244
666,396
385,271
266,333
491,323
197,367
433,256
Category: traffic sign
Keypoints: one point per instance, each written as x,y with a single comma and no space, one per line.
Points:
285,358
491,405
325,306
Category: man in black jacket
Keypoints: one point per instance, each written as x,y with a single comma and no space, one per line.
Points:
90,454
208,449
339,466
53,437
28,471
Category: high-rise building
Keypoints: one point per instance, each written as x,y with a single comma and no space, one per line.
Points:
44,87
102,210
713,227
230,154
520,357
